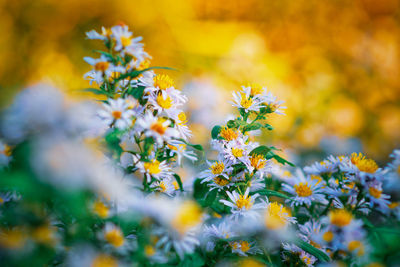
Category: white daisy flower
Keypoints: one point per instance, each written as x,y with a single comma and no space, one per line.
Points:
213,233
127,44
181,121
272,104
218,169
102,68
304,190
322,167
374,191
245,101
305,257
5,154
155,169
179,149
113,235
244,248
116,113
165,186
242,205
156,127
360,165
276,216
162,102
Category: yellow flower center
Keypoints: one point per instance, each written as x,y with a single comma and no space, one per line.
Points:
276,216
182,118
144,64
217,168
12,239
164,103
114,237
163,82
314,244
316,178
256,89
258,162
100,209
101,66
7,150
364,164
44,234
188,216
158,127
126,41
340,217
149,250
244,246
116,114
237,152
228,134
152,167
398,170
162,187
328,236
303,189
250,263
306,259
376,193
355,244
175,184
393,205
221,181
246,102
103,260
244,202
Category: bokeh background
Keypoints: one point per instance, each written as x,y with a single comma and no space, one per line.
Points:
336,63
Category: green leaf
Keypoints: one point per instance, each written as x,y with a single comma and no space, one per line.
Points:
137,92
198,147
252,127
199,189
260,150
215,131
179,181
312,250
113,140
107,55
211,196
268,126
282,160
267,192
148,144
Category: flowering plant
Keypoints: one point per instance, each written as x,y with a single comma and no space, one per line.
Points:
63,202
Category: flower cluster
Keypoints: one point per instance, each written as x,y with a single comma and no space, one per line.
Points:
89,184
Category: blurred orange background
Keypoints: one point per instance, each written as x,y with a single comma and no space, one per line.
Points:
335,63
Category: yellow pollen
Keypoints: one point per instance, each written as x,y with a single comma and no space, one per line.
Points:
376,193
364,164
182,118
228,134
393,205
221,181
257,162
163,82
217,168
162,187
114,237
1,200
314,244
246,103
175,184
237,152
250,263
244,202
164,103
306,259
126,41
303,189
152,167
104,260
7,150
12,239
340,217
158,127
244,246
355,244
101,66
44,234
100,209
276,216
116,114
328,236
149,250
144,64
188,216
256,89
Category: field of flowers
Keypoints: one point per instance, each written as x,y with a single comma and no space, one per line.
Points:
99,182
